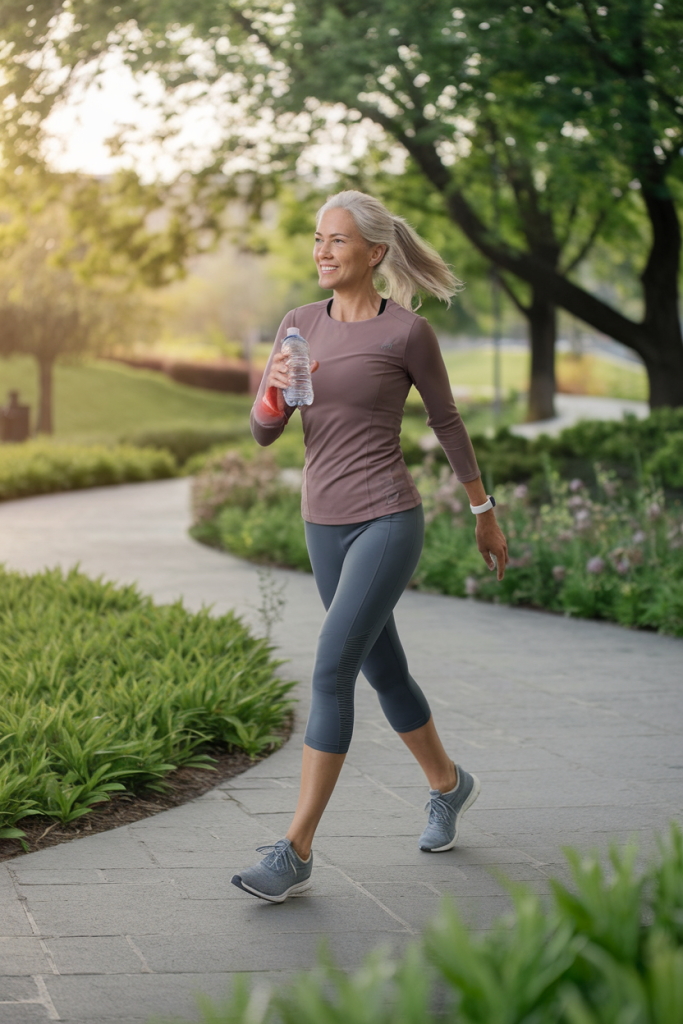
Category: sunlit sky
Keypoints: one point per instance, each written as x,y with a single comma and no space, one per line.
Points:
78,129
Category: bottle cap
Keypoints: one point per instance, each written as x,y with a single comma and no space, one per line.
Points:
291,330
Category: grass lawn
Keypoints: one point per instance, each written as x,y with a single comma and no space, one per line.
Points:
472,369
99,400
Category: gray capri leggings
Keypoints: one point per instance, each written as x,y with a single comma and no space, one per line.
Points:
361,570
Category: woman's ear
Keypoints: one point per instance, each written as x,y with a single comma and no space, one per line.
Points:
377,254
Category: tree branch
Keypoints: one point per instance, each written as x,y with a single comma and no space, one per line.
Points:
510,292
588,244
527,266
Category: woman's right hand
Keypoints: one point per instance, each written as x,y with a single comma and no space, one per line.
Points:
278,379
279,371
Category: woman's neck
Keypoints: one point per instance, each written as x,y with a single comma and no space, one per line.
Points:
356,306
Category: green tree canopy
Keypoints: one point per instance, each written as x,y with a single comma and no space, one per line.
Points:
511,121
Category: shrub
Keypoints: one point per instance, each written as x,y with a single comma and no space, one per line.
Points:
228,478
625,446
185,443
618,556
269,532
242,506
667,461
615,556
233,377
42,466
609,950
101,690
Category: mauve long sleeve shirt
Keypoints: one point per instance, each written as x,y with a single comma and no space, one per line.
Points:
354,468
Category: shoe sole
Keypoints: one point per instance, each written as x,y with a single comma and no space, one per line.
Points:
476,790
292,891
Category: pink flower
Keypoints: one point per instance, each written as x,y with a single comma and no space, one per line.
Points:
583,519
623,566
576,484
638,537
521,491
575,502
471,586
559,573
595,565
654,511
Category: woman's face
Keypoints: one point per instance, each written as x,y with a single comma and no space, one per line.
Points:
344,259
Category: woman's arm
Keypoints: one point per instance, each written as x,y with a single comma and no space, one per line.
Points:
426,368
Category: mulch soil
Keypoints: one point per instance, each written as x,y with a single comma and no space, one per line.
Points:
124,808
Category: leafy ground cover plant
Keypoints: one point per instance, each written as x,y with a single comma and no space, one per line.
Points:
101,690
43,466
607,950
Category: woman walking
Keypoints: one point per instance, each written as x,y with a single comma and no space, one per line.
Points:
363,514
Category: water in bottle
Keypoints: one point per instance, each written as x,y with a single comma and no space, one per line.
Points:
300,390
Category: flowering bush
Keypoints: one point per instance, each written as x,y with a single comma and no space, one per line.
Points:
252,508
613,552
230,479
617,555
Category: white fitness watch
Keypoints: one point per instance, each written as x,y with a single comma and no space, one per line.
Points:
489,503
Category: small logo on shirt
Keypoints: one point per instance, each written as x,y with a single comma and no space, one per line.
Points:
387,344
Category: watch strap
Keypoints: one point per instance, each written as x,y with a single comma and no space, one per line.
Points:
489,503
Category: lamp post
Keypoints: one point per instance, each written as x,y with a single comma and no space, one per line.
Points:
495,308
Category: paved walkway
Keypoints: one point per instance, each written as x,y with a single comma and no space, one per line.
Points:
571,409
574,728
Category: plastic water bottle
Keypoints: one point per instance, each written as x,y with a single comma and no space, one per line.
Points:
300,390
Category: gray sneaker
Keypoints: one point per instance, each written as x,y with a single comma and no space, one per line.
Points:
445,812
280,874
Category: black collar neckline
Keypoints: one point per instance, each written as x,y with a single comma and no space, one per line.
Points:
382,307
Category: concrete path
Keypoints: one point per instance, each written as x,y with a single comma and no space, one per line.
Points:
573,408
574,728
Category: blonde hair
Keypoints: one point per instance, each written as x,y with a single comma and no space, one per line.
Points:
410,265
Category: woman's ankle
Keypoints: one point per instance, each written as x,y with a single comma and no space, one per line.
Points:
302,850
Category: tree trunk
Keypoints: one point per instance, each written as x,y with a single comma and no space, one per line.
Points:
660,287
542,318
45,368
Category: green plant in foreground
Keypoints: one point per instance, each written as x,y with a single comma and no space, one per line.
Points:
607,950
101,690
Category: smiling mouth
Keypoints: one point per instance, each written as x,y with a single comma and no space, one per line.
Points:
327,269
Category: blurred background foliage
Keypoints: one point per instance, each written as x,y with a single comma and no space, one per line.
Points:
552,183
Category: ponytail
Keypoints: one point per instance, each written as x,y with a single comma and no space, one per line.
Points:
410,265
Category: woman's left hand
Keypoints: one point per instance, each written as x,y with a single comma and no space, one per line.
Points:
491,542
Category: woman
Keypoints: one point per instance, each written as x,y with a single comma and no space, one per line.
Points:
363,514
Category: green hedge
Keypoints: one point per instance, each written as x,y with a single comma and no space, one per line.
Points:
608,950
186,442
43,466
630,446
101,690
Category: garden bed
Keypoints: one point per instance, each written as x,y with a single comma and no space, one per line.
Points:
104,693
608,548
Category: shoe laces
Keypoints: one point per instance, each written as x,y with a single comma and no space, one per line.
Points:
439,811
277,854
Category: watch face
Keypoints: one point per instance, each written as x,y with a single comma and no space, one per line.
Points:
492,500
